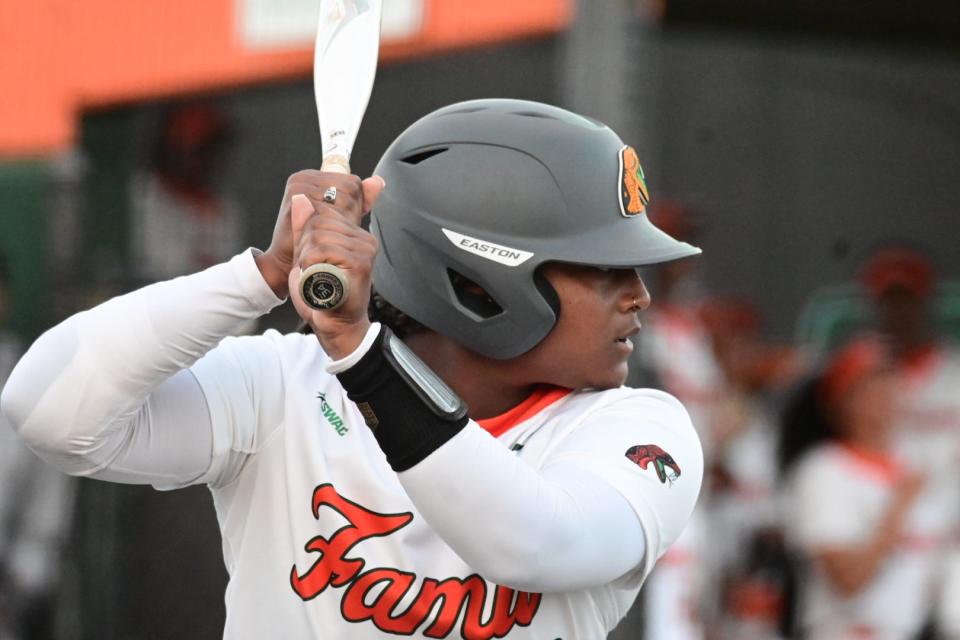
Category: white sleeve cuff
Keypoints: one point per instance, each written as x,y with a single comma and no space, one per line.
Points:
336,366
248,274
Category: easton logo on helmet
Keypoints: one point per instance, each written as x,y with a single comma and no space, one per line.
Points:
632,184
489,250
643,454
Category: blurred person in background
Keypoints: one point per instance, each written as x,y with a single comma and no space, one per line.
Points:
870,547
746,539
673,353
35,514
900,282
181,221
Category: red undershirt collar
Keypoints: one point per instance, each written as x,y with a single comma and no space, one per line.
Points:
541,398
877,464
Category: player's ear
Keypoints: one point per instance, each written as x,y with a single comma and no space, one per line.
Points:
372,188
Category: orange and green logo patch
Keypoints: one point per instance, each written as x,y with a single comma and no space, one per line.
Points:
663,463
633,186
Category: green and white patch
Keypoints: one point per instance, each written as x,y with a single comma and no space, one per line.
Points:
332,416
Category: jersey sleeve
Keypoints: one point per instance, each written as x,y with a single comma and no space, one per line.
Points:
108,393
586,517
242,381
646,448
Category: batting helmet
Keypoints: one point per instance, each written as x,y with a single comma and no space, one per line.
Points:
485,192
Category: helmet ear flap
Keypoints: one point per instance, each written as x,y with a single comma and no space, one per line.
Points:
547,291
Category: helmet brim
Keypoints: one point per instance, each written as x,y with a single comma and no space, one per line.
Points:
641,244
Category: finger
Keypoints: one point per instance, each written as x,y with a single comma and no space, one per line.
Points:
328,222
328,225
347,201
347,198
300,211
345,258
372,188
309,250
314,185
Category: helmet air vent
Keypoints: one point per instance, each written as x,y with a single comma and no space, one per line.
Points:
420,156
472,296
470,109
535,114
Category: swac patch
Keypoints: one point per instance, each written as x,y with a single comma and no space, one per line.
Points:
332,416
633,187
644,454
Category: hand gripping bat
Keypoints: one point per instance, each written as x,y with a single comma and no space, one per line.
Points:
344,65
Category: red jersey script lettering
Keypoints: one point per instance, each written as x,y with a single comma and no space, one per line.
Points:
455,596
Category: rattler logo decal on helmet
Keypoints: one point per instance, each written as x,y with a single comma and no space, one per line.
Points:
633,186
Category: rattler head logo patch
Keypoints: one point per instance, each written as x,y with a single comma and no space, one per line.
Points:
632,184
663,463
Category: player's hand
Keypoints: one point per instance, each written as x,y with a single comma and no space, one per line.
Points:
322,232
275,263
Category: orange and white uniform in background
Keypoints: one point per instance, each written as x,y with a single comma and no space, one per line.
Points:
927,437
181,221
675,349
175,232
674,354
835,498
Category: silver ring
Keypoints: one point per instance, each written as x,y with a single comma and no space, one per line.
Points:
330,195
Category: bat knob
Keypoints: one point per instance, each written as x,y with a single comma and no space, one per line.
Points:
324,286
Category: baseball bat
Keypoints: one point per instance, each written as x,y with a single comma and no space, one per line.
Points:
344,65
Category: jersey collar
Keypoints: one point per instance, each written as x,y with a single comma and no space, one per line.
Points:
540,399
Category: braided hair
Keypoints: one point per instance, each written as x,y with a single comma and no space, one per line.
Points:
385,313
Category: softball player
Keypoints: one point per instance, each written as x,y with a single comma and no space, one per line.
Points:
852,508
357,494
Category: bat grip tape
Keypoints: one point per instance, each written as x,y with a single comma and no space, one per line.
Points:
410,410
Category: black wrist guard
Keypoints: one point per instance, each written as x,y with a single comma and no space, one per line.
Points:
411,411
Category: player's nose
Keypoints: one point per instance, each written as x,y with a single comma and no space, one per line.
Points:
635,296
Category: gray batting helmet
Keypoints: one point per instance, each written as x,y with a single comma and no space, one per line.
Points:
485,192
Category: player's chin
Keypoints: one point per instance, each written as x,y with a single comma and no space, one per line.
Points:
609,377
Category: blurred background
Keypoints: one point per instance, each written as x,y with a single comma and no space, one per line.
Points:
811,148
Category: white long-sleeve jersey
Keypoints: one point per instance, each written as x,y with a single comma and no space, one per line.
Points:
542,523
